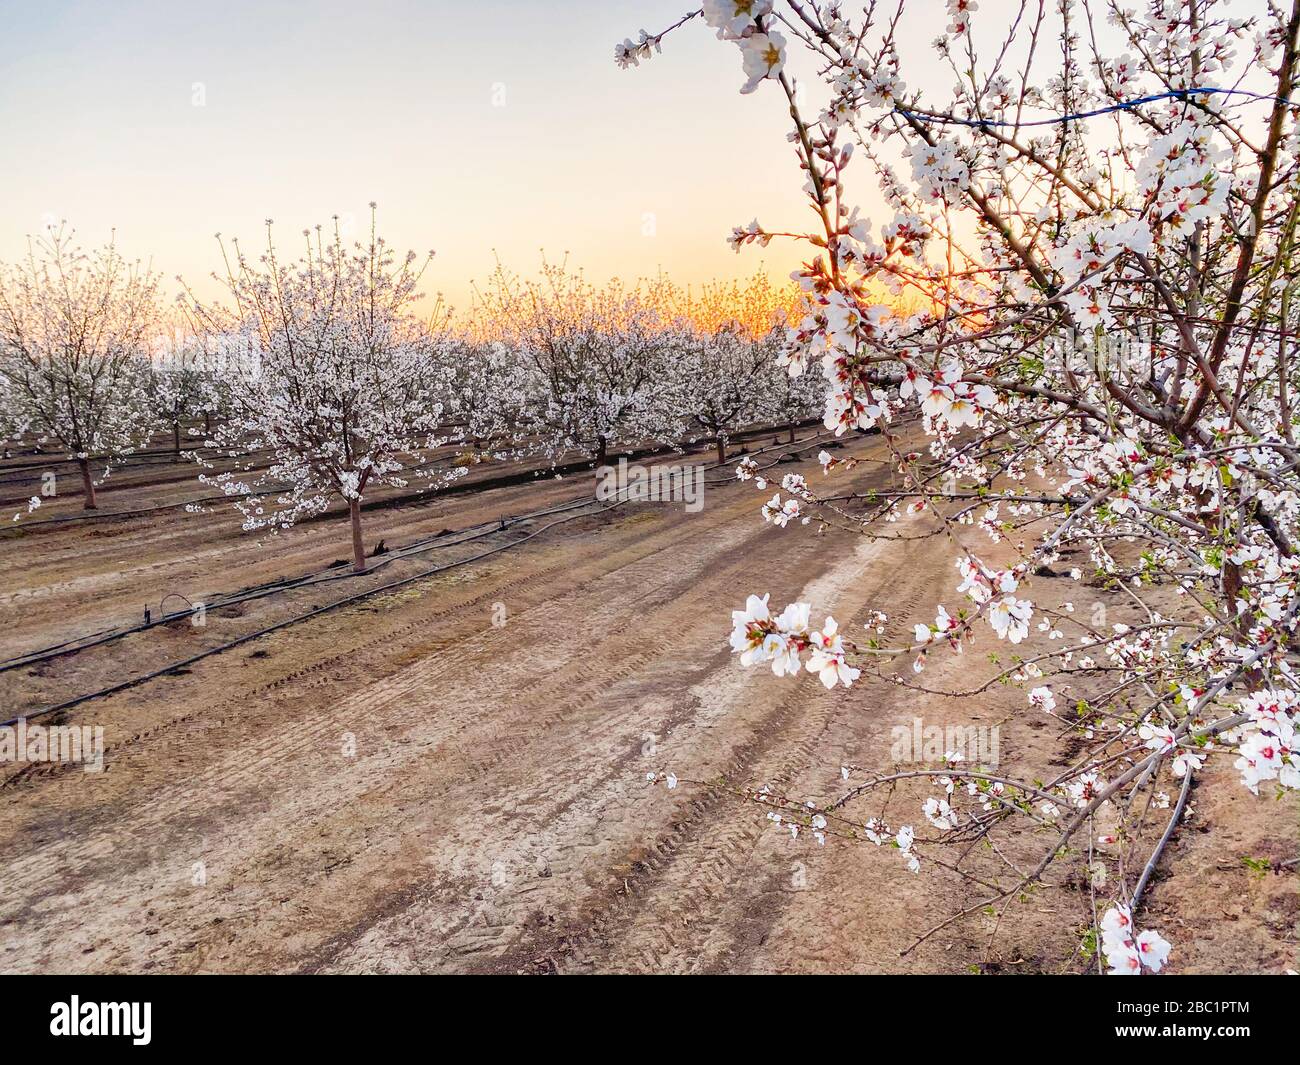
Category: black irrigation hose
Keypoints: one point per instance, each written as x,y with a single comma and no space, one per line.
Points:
790,450
16,475
50,459
105,515
127,462
108,515
113,689
105,636
1159,848
144,678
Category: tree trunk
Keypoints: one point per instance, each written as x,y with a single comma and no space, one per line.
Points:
207,422
358,549
87,484
792,432
176,437
722,450
602,449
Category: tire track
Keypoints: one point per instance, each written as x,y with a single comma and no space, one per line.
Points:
579,681
439,747
336,668
586,793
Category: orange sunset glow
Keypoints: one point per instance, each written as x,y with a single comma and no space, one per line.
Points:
497,130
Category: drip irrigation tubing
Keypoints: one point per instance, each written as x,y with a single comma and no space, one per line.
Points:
144,678
470,533
379,504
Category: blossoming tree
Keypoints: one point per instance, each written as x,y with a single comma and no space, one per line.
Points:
717,383
74,334
591,359
1100,235
722,375
182,383
339,382
485,379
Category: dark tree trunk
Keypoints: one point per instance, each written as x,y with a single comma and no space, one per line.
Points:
722,450
176,437
358,548
87,484
792,432
207,422
602,451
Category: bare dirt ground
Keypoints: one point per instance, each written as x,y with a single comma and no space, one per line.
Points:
451,776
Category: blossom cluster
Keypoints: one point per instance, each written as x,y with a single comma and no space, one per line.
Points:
781,639
743,22
1128,954
1266,743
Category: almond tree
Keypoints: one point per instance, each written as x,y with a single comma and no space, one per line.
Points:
487,380
74,334
11,418
724,345
590,359
716,387
482,380
339,382
788,399
183,383
1099,225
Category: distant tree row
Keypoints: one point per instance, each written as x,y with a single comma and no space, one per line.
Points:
315,377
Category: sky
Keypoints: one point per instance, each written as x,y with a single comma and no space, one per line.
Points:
482,129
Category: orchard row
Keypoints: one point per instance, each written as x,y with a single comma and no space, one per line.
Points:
324,362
